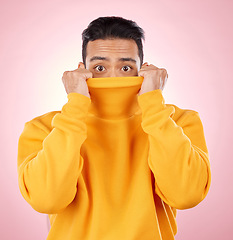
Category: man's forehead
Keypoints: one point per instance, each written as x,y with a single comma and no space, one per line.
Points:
115,45
112,42
122,49
121,59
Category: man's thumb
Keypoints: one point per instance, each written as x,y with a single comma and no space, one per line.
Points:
81,65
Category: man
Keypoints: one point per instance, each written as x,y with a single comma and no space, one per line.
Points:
116,162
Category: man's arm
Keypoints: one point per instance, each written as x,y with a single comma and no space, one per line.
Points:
49,160
49,163
178,155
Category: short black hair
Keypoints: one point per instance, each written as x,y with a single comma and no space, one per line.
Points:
112,28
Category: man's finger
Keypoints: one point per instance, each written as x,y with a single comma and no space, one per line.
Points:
81,65
145,64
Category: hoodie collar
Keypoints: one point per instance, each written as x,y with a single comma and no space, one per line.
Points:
114,97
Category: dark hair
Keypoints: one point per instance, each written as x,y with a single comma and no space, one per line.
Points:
112,28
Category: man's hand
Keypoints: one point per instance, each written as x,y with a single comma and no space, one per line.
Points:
154,78
75,81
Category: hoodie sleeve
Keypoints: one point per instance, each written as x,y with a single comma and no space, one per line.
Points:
178,156
49,160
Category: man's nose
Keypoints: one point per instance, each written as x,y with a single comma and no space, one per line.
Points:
113,73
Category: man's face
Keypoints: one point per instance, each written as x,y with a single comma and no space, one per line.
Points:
112,58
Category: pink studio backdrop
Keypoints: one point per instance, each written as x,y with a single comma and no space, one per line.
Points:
191,39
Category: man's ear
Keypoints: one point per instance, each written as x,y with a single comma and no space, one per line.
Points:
81,65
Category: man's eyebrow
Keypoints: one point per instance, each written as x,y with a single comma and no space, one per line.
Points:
127,60
107,59
99,58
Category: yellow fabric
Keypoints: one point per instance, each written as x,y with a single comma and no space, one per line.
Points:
116,166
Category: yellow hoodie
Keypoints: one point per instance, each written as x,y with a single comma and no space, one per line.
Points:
116,166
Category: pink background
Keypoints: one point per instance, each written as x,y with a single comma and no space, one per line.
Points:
191,39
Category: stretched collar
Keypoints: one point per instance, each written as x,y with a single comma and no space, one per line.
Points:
114,97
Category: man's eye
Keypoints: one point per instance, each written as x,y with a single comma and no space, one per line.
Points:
126,68
99,68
